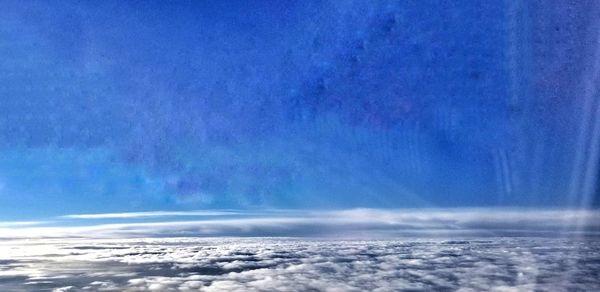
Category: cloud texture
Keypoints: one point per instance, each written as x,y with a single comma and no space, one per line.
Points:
284,264
283,250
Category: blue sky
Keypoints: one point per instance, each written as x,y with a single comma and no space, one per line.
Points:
135,106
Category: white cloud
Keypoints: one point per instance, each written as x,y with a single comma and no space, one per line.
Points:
127,215
286,264
63,289
21,223
354,223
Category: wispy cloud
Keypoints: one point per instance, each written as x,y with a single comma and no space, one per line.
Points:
341,223
5,224
127,215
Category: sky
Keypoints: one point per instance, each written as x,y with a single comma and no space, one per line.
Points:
132,106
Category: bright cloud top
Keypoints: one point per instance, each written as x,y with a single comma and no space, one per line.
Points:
271,264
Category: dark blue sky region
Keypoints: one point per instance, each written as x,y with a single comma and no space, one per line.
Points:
144,105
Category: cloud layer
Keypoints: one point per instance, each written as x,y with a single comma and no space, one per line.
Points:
341,223
343,250
284,264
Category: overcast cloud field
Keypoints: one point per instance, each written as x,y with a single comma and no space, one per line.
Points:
345,250
295,264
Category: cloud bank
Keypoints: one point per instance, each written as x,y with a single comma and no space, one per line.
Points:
338,223
284,264
283,250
